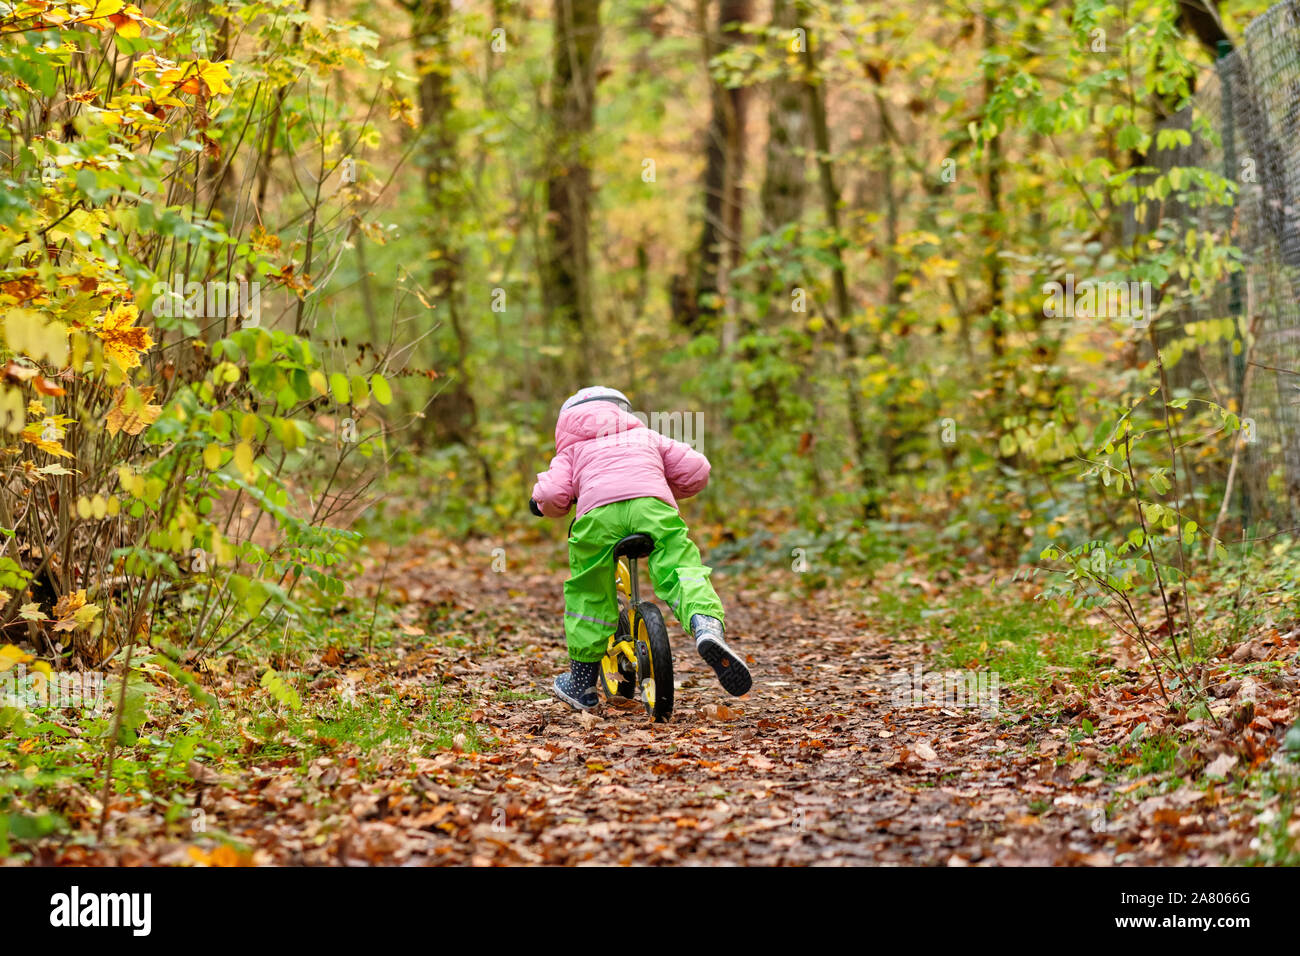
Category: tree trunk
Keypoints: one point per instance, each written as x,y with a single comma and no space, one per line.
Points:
453,416
899,331
784,186
781,205
723,228
567,270
993,217
733,15
1201,19
839,281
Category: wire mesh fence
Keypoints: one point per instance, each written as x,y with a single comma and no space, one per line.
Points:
1244,124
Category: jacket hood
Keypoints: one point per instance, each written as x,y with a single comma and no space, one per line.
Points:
588,420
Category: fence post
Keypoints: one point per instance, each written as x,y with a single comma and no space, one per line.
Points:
1228,133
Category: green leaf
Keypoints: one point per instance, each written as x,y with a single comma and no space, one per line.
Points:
274,684
244,459
360,391
12,575
339,387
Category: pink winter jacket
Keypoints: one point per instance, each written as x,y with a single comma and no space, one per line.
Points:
605,454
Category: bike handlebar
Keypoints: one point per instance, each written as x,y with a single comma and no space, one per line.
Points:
536,509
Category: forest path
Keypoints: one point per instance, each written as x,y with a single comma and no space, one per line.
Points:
816,765
444,746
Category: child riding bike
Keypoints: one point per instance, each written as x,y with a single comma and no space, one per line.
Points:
628,479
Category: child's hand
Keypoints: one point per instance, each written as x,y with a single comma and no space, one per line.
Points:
532,506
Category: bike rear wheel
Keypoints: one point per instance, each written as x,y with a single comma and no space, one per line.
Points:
654,657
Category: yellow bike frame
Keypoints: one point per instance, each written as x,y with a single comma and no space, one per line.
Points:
624,648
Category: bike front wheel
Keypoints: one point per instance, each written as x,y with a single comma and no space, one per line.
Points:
654,660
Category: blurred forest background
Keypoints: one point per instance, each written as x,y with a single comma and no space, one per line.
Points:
285,277
822,228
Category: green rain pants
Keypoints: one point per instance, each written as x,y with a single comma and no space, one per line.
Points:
590,594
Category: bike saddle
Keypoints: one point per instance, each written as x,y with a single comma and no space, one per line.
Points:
634,546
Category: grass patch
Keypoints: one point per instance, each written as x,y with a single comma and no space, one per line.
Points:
972,628
511,696
1277,847
1021,640
1150,755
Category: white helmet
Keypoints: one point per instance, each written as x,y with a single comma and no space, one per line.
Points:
596,393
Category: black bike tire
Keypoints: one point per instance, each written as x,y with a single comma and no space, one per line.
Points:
661,657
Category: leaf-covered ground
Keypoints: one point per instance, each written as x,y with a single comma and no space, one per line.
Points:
443,747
